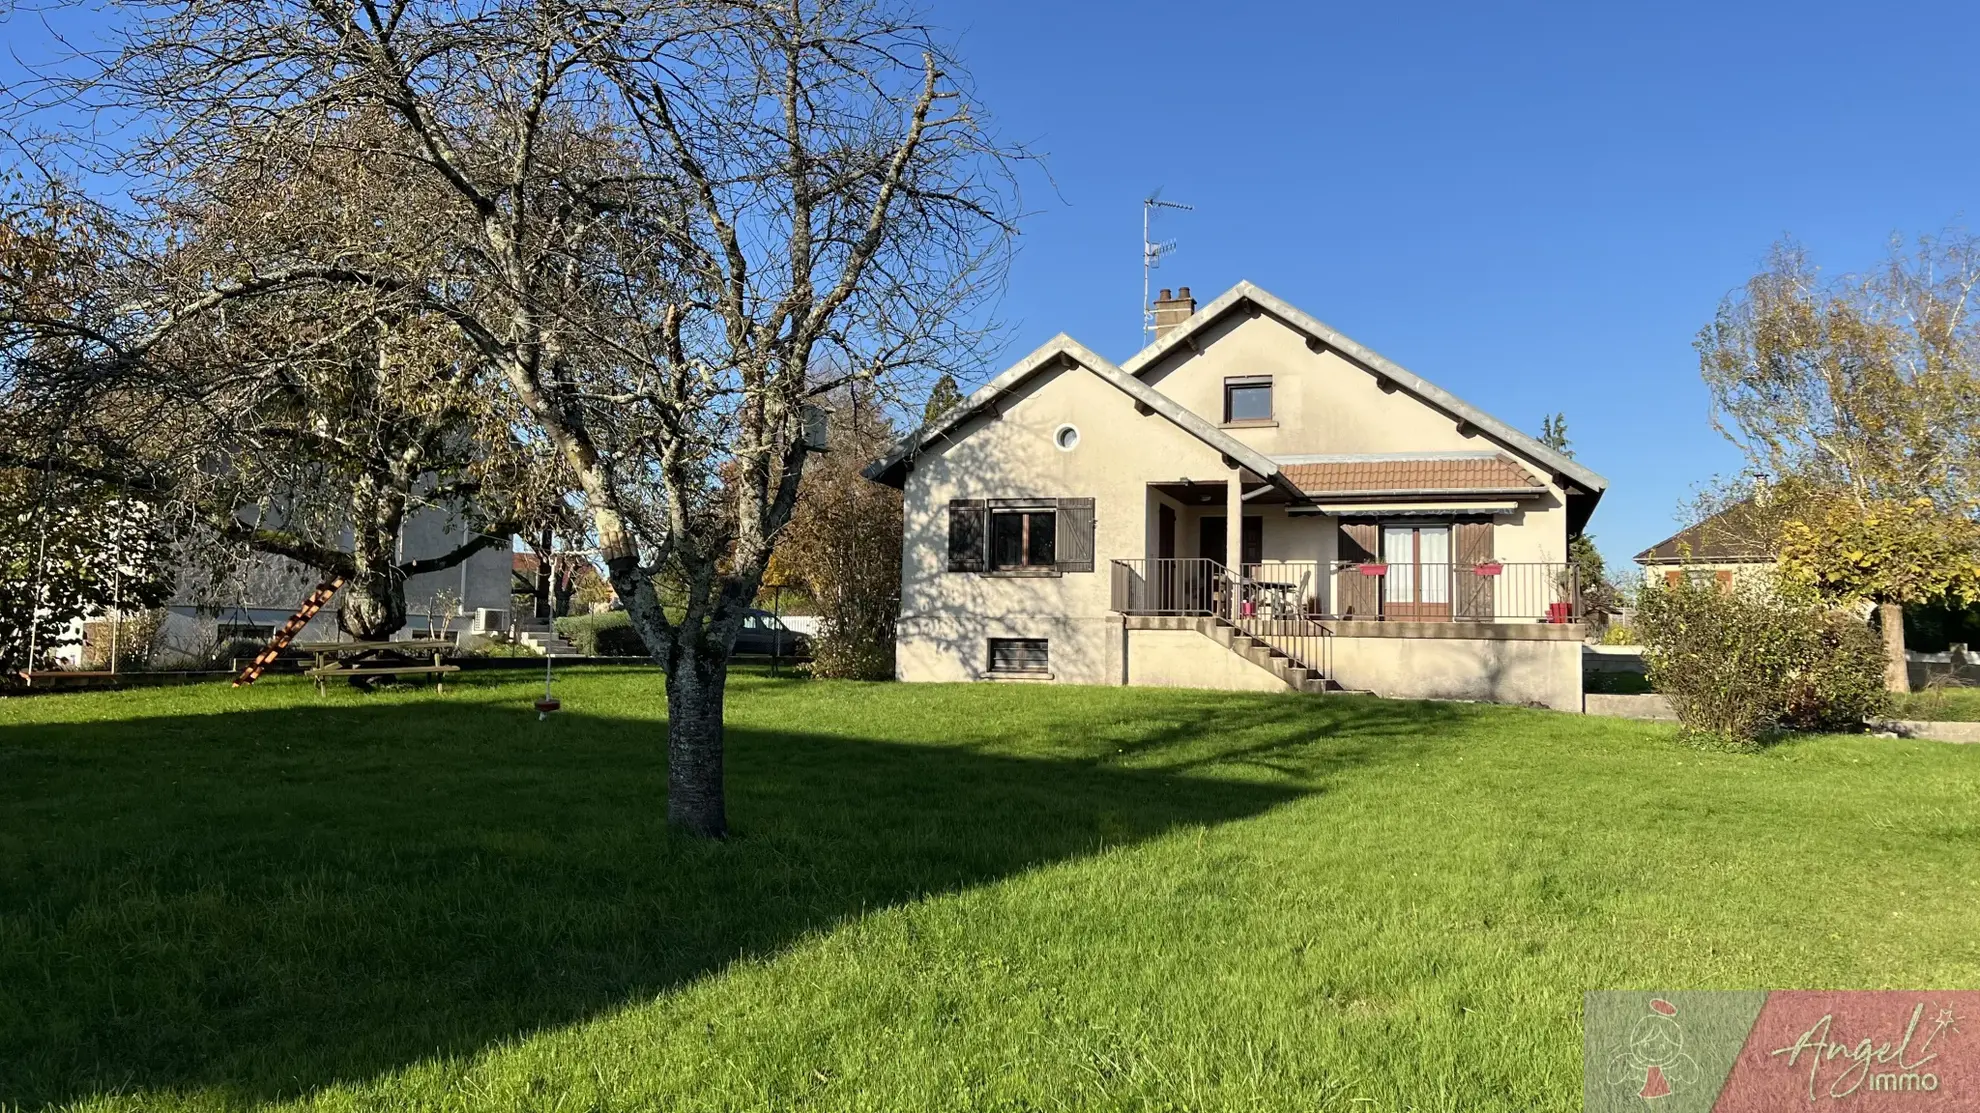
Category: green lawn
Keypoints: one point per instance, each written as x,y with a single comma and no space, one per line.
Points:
1946,705
994,897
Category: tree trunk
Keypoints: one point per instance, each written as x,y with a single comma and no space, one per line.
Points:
374,602
1897,673
696,679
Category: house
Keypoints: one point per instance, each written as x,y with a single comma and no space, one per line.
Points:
1726,547
1070,522
211,618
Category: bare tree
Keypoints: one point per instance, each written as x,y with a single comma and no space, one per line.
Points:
306,423
678,223
1867,383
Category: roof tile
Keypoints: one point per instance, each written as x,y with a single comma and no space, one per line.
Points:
1453,473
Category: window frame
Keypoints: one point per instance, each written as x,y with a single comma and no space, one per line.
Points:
990,657
1237,383
1026,566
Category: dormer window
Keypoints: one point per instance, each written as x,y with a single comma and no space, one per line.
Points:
1248,400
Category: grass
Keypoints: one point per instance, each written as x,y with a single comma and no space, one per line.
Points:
989,897
1941,704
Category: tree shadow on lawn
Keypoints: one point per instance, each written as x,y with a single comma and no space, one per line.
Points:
257,904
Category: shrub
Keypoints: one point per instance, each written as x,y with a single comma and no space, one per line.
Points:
609,634
1739,666
1619,633
1841,681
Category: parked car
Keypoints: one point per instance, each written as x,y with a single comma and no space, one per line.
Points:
764,634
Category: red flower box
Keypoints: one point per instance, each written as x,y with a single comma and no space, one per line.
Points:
1373,569
1489,568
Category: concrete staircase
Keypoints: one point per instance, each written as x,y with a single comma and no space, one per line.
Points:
541,636
1297,675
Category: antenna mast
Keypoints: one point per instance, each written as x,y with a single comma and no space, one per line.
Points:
1151,255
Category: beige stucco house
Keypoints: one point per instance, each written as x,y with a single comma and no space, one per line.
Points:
1069,522
1727,548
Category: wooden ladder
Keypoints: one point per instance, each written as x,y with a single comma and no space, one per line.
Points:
311,606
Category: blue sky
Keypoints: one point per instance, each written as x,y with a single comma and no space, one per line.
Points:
1535,207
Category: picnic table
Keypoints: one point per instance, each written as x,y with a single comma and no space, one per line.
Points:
360,660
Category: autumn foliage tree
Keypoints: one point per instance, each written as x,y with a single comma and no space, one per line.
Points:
1860,397
843,544
1885,552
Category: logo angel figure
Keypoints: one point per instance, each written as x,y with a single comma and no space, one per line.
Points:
1653,1062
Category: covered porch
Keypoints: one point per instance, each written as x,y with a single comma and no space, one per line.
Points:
1437,556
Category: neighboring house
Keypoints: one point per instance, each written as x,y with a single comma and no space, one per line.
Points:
1070,522
1725,548
204,618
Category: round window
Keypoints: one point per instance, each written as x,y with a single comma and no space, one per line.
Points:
1067,438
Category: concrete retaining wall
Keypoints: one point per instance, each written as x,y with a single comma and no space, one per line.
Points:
1188,659
1533,664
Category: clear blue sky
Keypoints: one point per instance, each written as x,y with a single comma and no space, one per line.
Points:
1534,207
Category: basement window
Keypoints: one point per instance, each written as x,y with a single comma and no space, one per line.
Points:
1020,656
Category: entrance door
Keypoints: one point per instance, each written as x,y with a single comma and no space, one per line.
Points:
1418,584
1210,540
1165,578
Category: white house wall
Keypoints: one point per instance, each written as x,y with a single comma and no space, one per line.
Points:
1324,404
947,617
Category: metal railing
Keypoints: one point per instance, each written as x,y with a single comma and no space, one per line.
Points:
1305,642
1261,609
1180,586
1488,591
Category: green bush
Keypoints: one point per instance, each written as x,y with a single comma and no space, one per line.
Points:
602,635
1740,666
1617,633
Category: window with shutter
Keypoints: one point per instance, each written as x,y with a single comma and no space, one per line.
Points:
1475,593
1024,539
969,534
1355,594
1075,535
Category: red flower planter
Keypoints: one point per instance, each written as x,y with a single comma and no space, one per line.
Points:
1373,569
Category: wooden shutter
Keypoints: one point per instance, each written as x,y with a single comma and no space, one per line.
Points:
969,535
1075,535
1472,546
1359,595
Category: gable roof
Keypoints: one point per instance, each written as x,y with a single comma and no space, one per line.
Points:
1247,293
1732,536
1583,486
892,468
1411,473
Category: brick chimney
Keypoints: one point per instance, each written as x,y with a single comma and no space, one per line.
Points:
1172,311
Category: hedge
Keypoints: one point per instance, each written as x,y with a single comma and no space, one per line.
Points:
602,635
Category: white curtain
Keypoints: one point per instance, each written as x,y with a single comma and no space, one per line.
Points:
1434,560
1399,553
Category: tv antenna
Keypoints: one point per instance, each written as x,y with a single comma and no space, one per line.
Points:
1151,255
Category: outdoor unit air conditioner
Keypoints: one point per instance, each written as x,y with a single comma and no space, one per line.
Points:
490,620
